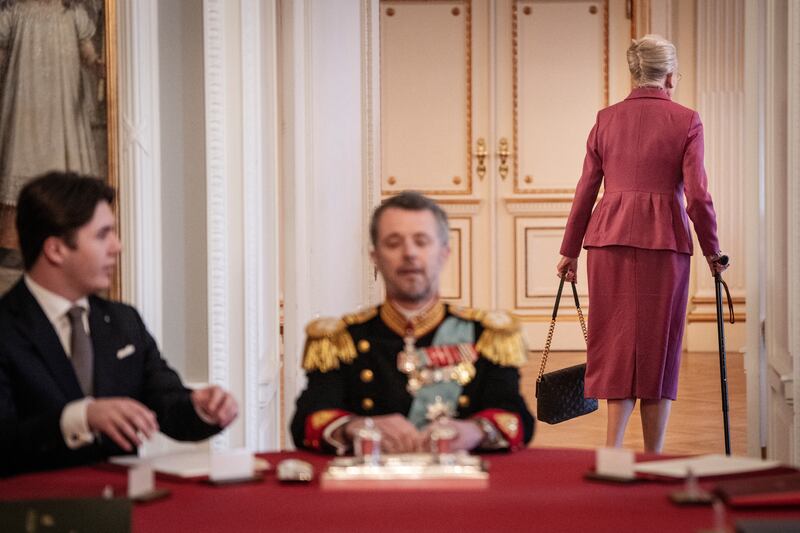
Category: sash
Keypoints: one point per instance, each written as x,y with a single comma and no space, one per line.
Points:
444,368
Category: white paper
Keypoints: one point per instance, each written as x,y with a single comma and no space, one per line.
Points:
617,462
141,480
184,464
705,465
231,464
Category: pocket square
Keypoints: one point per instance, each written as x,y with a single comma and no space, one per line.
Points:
122,353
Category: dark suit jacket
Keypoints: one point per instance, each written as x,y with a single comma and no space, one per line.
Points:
648,152
37,381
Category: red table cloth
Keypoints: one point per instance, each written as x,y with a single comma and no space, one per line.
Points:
537,489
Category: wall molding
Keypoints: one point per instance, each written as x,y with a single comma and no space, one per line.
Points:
371,105
793,229
721,104
216,200
253,167
140,159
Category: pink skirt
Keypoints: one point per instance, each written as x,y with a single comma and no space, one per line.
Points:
637,312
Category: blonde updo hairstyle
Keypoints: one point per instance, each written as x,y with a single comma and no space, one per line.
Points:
650,59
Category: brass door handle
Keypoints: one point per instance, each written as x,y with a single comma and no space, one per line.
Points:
480,154
502,154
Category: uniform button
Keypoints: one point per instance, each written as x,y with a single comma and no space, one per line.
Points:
367,404
463,401
363,346
306,442
367,375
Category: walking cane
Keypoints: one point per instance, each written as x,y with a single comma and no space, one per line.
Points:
723,373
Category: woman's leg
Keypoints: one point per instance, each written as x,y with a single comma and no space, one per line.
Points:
619,411
655,414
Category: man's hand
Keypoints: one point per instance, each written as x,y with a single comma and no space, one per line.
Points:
398,435
468,434
121,419
215,405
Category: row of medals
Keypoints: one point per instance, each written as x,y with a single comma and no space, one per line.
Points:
408,362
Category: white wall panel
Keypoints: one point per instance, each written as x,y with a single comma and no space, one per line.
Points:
326,167
720,102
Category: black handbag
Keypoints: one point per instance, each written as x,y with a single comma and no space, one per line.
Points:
559,394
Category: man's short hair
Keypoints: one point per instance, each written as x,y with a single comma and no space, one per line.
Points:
410,201
56,204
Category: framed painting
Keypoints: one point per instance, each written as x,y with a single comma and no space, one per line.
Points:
58,102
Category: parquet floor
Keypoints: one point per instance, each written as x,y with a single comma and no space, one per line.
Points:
695,426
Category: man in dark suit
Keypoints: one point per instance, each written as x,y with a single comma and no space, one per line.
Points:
80,376
413,363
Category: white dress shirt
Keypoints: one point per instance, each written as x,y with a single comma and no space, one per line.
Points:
74,423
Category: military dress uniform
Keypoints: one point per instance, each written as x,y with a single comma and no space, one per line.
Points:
448,360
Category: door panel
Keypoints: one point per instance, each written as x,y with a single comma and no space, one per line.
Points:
525,79
561,67
558,71
456,282
426,98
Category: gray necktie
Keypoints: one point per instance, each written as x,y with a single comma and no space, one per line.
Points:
82,352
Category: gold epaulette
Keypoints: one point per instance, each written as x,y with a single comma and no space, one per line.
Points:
501,341
360,317
467,313
327,344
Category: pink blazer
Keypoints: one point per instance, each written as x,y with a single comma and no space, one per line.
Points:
649,152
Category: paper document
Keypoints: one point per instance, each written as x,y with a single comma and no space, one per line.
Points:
704,466
186,465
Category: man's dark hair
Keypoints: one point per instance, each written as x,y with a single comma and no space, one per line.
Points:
56,205
410,201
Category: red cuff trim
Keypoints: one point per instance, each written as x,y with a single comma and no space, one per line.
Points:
507,423
316,423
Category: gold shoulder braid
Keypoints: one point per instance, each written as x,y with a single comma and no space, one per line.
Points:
467,313
328,342
501,341
360,317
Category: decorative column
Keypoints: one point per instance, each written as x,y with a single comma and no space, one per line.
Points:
140,158
242,124
329,161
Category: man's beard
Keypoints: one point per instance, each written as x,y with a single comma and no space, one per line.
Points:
418,294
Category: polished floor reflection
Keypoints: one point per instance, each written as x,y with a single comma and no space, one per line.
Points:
695,426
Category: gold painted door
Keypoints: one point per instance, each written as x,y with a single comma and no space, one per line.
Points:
485,106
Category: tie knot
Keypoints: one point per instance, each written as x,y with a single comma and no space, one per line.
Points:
75,314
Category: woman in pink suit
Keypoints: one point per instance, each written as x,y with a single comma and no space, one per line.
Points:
648,152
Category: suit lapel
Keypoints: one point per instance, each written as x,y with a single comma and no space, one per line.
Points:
34,325
103,343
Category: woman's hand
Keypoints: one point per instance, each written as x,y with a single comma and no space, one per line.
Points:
568,269
715,265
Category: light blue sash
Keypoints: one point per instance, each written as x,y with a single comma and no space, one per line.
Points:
452,331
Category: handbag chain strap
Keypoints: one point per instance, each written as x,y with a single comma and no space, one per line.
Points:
549,340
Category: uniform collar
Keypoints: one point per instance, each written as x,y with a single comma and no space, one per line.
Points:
649,92
422,324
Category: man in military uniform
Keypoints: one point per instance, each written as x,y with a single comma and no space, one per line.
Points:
413,362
